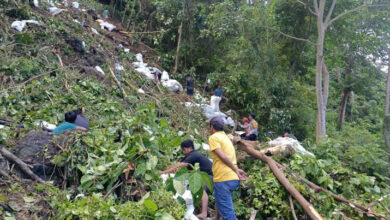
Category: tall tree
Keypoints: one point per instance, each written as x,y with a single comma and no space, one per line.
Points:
324,14
387,114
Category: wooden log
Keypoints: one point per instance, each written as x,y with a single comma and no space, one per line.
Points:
23,166
307,207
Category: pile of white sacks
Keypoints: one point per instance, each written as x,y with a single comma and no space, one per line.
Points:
212,109
143,69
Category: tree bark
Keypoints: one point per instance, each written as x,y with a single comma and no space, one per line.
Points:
386,120
307,207
343,106
178,48
321,102
10,156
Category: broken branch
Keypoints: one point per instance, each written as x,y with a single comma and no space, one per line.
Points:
117,82
308,208
292,207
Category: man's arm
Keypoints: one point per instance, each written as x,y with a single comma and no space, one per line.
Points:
173,168
243,126
241,174
81,128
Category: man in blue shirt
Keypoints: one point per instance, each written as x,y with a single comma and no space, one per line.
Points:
70,118
218,91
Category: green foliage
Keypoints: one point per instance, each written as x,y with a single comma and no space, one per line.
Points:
158,204
21,13
196,180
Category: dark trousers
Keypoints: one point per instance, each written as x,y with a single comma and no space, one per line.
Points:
251,137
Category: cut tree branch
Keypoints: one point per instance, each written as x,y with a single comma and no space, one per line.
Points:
309,208
353,10
290,36
23,166
292,207
339,198
117,82
253,215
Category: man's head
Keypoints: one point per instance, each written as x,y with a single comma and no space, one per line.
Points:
188,76
251,116
219,86
70,116
286,133
216,124
187,146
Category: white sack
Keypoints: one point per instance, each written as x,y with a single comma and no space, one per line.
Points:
214,102
104,24
138,56
19,25
164,76
146,72
230,122
75,4
286,141
173,85
100,70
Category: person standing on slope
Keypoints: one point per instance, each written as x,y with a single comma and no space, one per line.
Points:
190,82
227,175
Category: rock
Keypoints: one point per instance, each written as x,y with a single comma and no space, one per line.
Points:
76,44
37,150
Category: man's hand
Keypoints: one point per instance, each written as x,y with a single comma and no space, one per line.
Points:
161,172
241,174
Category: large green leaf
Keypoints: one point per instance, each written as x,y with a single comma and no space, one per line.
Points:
150,205
207,180
179,186
196,182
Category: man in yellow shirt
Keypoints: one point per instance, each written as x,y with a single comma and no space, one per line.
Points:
227,175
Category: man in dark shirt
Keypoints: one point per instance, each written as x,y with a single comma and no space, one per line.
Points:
192,157
190,82
81,120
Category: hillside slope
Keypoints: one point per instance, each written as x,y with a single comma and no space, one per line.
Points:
111,172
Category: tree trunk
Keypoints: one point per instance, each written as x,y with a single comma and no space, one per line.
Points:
386,120
321,102
343,105
178,48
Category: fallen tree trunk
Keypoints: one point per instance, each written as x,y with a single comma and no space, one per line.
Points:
309,208
250,148
339,198
23,166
